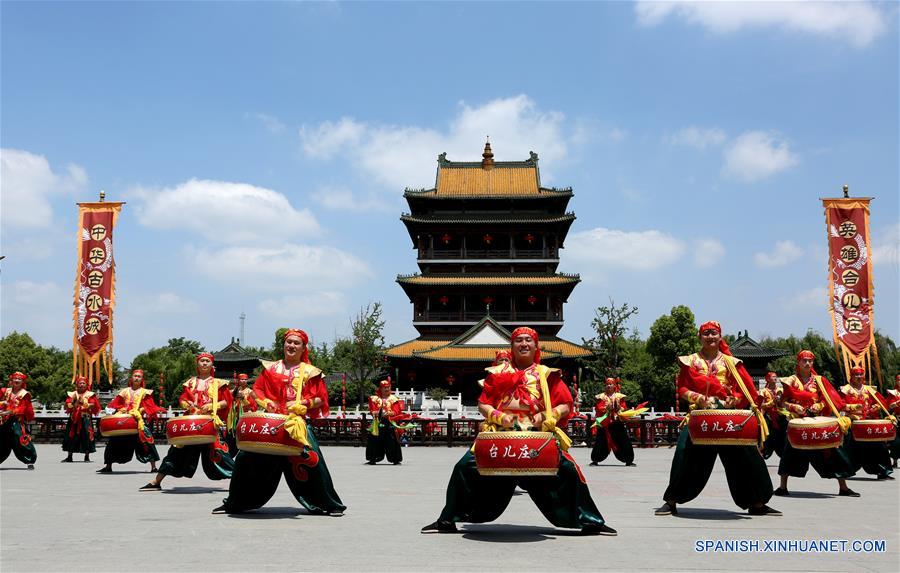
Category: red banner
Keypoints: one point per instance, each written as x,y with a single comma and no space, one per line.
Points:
850,281
95,290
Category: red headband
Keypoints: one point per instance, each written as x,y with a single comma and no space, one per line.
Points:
711,325
533,334
385,383
242,376
296,332
613,381
771,374
502,354
79,378
18,376
860,371
205,355
805,355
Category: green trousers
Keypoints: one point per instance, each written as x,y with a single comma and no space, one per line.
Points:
120,449
256,477
79,437
564,499
774,443
14,439
384,444
894,447
833,463
182,462
619,435
874,458
745,470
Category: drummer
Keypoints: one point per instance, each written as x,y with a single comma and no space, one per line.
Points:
513,396
138,402
893,398
382,441
244,401
289,386
15,412
611,432
81,405
714,379
865,403
771,407
202,394
806,394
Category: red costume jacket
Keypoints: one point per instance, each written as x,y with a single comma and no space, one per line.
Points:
276,385
81,409
860,404
194,397
18,403
805,399
505,383
603,407
699,378
124,402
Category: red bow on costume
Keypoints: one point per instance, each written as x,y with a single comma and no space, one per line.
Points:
510,384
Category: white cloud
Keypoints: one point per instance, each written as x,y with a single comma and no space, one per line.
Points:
29,185
886,246
164,303
817,296
699,137
707,252
631,250
288,267
404,156
755,155
291,307
857,23
42,309
270,122
338,197
225,212
785,253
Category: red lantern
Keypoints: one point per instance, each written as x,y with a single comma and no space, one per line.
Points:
445,238
488,300
529,238
488,239
450,379
532,300
444,300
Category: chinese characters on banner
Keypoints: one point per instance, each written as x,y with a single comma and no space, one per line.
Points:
850,283
95,290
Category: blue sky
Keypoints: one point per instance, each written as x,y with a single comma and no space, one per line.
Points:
262,150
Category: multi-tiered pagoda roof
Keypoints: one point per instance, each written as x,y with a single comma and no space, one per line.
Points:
488,237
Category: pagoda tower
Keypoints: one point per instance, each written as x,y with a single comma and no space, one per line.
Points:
488,237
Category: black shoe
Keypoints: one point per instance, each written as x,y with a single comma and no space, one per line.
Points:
31,466
440,527
336,513
594,464
630,465
781,492
151,487
370,463
598,530
66,461
885,476
666,509
105,470
87,459
764,510
848,493
221,509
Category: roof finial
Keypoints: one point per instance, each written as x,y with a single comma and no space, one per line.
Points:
488,155
846,191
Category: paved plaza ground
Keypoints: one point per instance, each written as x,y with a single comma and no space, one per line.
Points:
64,517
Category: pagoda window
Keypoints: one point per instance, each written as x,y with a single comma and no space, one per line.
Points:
532,306
487,245
528,245
447,245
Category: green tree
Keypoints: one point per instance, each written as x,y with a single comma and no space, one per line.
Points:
610,325
438,395
672,335
367,346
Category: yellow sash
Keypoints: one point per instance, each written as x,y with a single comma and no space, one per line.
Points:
890,416
295,425
135,411
843,421
564,440
763,427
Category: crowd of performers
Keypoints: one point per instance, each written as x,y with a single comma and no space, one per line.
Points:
521,399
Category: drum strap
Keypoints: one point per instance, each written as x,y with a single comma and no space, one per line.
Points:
874,396
564,440
760,418
295,425
843,421
135,411
213,390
